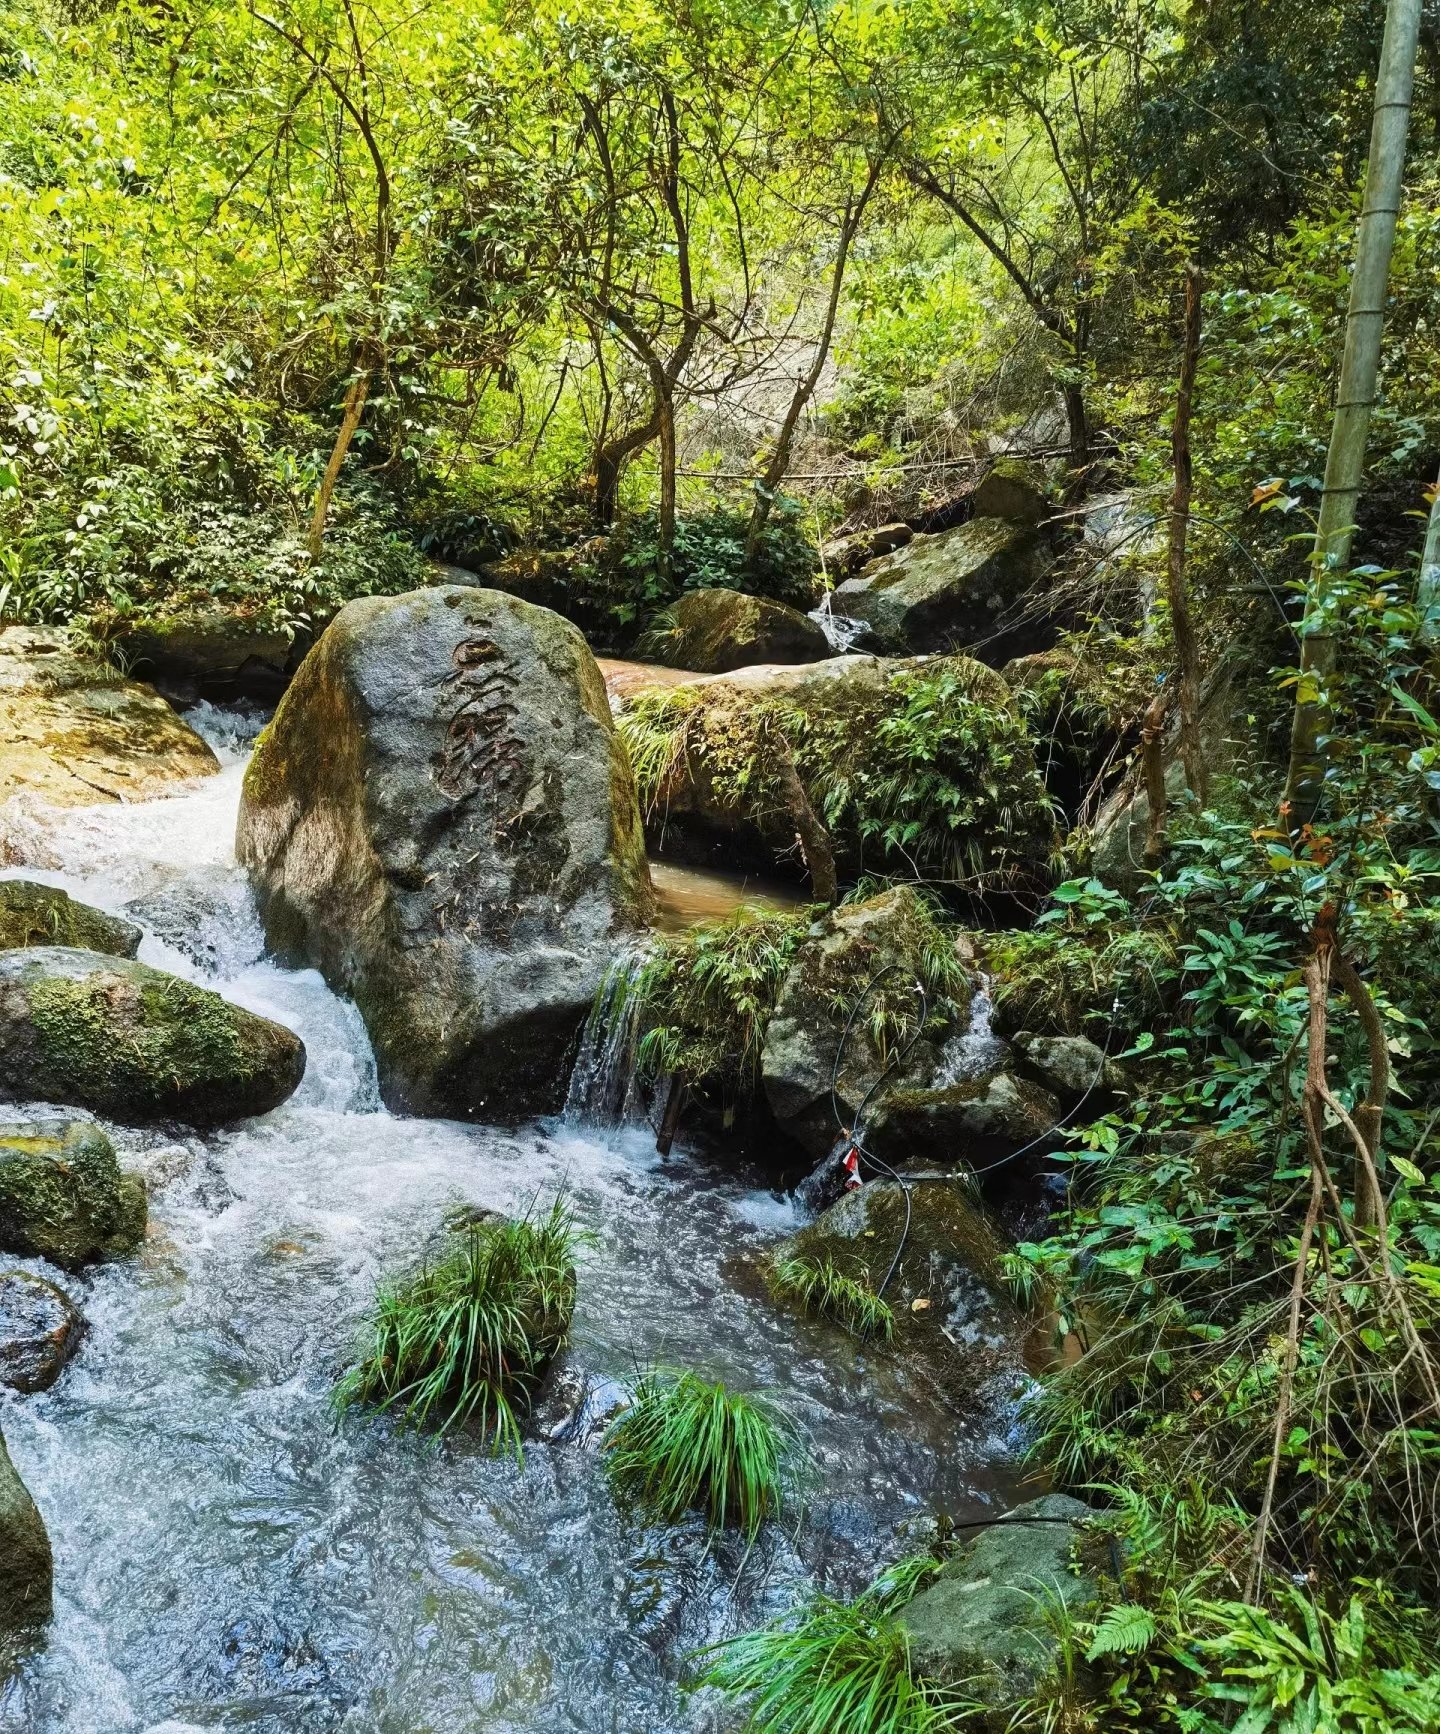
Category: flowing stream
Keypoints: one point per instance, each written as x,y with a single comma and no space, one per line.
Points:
228,1557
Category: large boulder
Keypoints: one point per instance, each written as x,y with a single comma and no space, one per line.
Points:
882,945
32,914
74,731
915,767
134,1043
441,818
717,630
845,555
988,1623
40,1329
964,589
26,1568
63,1197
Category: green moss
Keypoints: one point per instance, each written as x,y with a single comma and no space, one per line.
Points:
40,915
1060,982
63,1197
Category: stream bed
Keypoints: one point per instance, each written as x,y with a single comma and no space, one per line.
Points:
229,1557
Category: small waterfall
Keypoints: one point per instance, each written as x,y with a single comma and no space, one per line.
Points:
842,632
602,1085
977,1049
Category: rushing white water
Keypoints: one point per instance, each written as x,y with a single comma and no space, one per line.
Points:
977,1049
228,1557
843,632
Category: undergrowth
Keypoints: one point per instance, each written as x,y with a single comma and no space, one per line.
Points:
685,1444
838,1666
465,1339
820,1288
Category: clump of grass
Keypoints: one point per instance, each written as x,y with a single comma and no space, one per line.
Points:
823,1290
685,1444
465,1339
842,1665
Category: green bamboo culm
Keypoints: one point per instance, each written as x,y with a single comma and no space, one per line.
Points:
465,1339
685,1444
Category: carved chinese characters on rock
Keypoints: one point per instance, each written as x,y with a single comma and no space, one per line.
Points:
483,755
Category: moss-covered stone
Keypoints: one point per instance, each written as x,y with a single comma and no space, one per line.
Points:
987,1622
715,631
964,589
26,1566
977,1122
1012,488
203,648
63,1196
135,1043
32,914
75,731
885,944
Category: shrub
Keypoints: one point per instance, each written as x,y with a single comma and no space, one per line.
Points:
841,1665
466,1338
709,553
816,1285
685,1444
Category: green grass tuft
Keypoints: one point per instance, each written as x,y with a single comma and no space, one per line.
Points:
817,1285
466,1339
687,1445
842,1665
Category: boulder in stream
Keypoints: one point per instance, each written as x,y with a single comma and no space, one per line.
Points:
63,1196
963,589
979,1122
845,954
26,1567
74,731
40,1329
32,914
441,818
715,631
205,650
986,1623
134,1043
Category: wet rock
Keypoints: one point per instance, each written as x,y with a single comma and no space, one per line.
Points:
1073,1068
208,651
134,1043
63,1196
207,914
74,731
951,1312
623,680
846,951
442,820
716,631
979,1122
963,589
26,1567
33,914
40,1329
985,1623
1012,488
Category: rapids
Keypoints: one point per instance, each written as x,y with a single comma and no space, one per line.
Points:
228,1557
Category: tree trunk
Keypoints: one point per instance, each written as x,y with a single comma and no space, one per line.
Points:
1187,652
1355,397
669,462
1078,422
1152,766
610,461
349,420
1427,594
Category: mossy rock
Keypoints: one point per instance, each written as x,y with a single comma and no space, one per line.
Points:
32,914
63,1196
716,631
986,1625
134,1043
26,1567
952,1315
75,732
203,649
884,944
978,1122
1014,489
964,589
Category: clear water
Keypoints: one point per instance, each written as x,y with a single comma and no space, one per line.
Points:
228,1558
